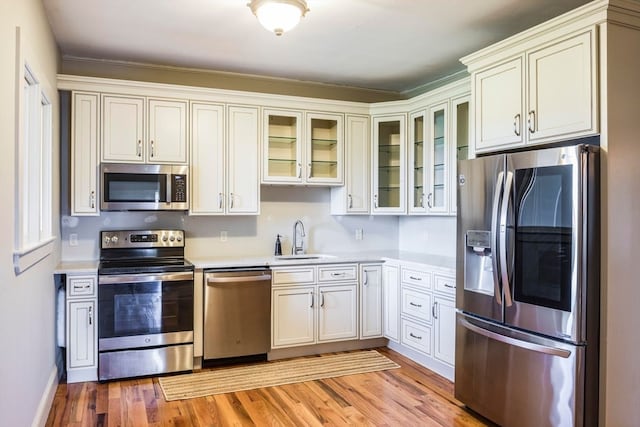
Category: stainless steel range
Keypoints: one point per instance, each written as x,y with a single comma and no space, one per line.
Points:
145,304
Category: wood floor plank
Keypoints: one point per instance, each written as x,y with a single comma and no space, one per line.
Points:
409,396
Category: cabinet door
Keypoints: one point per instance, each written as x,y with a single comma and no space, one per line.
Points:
84,154
337,312
498,103
388,165
282,154
167,131
391,298
81,339
371,301
123,129
562,89
207,159
293,316
459,148
444,312
353,197
243,161
417,163
324,148
438,195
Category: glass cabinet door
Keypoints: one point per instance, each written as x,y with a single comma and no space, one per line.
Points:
417,163
460,148
325,149
283,137
389,160
437,197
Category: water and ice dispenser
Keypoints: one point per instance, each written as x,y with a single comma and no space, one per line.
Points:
478,267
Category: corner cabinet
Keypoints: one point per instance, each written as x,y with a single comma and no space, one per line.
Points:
82,328
85,125
388,166
224,160
370,301
545,94
144,130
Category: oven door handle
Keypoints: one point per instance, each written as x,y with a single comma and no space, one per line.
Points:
144,277
236,279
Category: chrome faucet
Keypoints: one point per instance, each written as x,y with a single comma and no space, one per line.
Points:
297,248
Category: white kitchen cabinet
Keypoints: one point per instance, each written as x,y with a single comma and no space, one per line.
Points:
459,149
389,161
418,163
438,167
224,165
293,316
81,330
141,130
324,148
84,153
371,317
545,94
391,301
282,146
337,312
354,196
444,325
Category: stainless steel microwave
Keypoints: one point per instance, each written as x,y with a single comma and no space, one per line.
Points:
144,187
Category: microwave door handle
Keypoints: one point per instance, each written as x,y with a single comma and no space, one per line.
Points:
494,236
169,185
503,240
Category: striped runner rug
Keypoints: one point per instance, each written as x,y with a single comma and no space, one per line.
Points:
268,374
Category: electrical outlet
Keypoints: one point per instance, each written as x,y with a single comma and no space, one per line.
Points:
73,239
223,236
358,233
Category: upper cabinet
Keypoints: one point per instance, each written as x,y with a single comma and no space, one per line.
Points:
542,94
389,160
144,130
84,153
460,126
301,148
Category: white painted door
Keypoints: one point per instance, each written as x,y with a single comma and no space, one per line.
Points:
84,154
444,312
438,164
324,148
389,156
418,163
123,129
337,312
207,159
498,104
391,301
562,89
167,131
282,147
243,161
81,334
370,301
293,316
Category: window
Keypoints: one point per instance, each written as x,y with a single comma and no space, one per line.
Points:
34,239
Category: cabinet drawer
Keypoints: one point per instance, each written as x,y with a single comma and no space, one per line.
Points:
417,304
81,286
445,284
416,336
338,273
293,275
416,277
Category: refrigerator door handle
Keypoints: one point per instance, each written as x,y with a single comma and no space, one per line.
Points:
503,240
552,351
494,237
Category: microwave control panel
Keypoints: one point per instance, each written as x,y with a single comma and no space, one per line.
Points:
179,188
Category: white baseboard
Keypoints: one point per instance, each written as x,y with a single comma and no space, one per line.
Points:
426,361
40,418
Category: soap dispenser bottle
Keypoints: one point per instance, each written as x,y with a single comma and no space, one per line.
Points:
278,250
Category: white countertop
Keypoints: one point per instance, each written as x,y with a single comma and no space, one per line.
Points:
77,267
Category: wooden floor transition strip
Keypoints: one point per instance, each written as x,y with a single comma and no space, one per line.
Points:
227,380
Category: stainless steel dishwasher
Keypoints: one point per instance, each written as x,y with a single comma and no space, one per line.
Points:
237,312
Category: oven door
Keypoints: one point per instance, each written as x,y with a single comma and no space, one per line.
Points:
547,230
144,310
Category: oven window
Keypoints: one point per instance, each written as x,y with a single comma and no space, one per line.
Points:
543,236
145,308
126,187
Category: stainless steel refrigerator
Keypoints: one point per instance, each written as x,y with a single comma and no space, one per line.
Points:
528,286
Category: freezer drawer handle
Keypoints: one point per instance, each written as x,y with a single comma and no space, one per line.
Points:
236,279
516,342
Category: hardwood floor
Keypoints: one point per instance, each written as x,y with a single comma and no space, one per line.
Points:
409,396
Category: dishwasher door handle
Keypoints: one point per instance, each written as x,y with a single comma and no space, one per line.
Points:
237,279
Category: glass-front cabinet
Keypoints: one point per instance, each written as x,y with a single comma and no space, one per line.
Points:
389,164
325,149
460,148
438,141
282,146
418,162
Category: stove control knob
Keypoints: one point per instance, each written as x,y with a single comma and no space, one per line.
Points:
172,238
107,239
164,238
179,238
114,239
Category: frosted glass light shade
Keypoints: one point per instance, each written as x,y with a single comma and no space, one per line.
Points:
278,16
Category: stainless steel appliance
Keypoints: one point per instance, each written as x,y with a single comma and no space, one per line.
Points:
145,304
144,187
237,312
528,286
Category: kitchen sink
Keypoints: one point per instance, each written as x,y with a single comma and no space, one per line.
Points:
303,256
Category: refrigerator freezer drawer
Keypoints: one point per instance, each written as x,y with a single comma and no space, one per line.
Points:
514,378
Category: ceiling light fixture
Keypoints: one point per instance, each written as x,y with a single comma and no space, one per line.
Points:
278,16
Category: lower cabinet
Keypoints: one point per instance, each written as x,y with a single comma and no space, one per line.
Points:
444,325
370,301
390,298
81,331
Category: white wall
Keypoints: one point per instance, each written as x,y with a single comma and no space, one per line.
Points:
27,302
430,235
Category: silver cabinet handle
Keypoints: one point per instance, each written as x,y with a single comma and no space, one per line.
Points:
238,279
78,287
422,200
366,278
446,285
516,124
311,306
152,149
350,201
299,170
338,274
414,336
220,199
375,201
309,171
321,299
139,149
90,315
494,236
434,310
415,305
415,278
531,121
92,199
230,200
430,200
